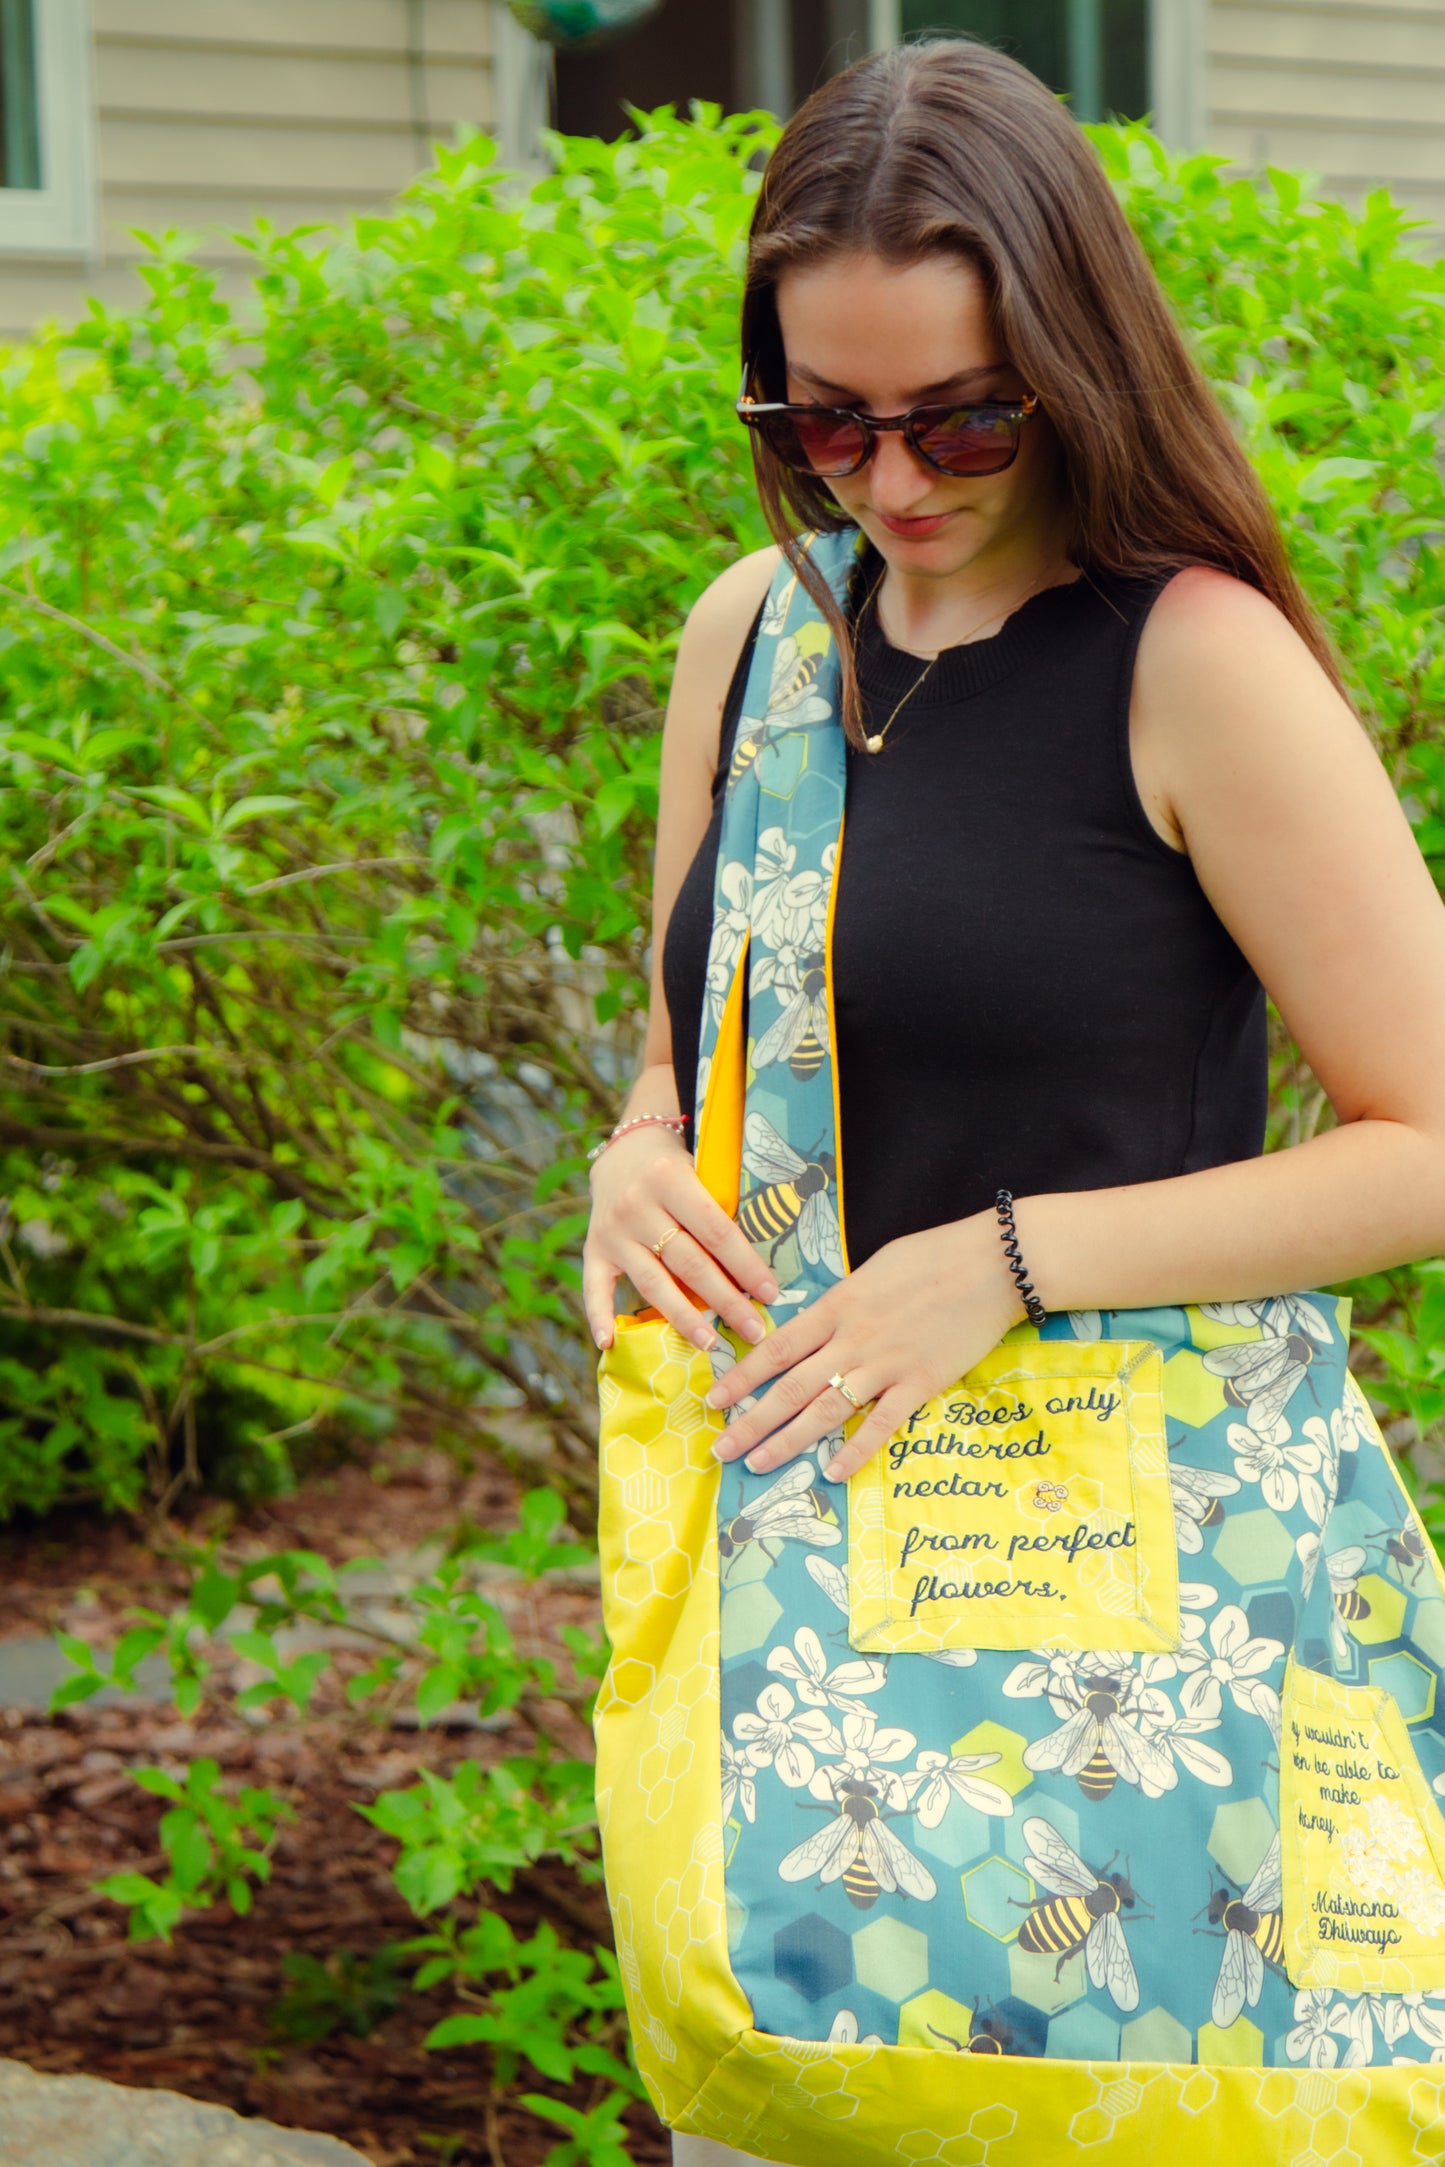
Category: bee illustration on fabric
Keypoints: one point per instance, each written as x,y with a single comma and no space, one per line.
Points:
1081,1911
991,2034
859,1849
1099,1741
1253,1937
791,1192
1406,1549
1197,1492
1050,1496
1344,1569
799,1035
751,738
1261,1375
787,1512
721,1359
796,665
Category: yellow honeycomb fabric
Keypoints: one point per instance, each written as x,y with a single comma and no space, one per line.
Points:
835,2103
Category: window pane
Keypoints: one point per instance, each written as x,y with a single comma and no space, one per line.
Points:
19,118
1072,45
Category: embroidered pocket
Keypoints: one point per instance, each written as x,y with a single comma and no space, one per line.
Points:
1362,1843
1028,1506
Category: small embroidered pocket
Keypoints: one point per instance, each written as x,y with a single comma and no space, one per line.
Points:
1362,1843
1028,1506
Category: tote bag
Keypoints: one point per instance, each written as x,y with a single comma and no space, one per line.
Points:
1067,1782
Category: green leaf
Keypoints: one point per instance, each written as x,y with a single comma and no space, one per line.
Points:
254,809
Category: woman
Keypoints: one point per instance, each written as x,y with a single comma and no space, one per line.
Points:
1103,789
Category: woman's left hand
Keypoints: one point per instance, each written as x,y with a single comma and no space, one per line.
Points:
912,1319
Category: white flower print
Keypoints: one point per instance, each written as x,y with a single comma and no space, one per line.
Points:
1427,2020
775,861
1329,1436
1355,2019
739,1787
1354,1419
805,1665
865,1751
778,1738
1234,1661
935,1778
1286,1471
731,920
1312,2038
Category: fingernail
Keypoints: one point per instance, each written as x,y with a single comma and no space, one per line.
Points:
835,1472
754,1330
756,1463
703,1337
714,1398
768,1291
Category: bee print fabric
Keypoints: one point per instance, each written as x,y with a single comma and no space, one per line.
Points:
1209,1841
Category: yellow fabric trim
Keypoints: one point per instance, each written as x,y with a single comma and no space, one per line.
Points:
1052,1443
1362,1843
829,2104
718,1152
860,2106
833,1041
659,1796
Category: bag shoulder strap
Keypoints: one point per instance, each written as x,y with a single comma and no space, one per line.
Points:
766,1114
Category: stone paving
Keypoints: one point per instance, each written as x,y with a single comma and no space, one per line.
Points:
81,2122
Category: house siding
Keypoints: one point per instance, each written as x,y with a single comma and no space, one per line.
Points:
1350,90
212,113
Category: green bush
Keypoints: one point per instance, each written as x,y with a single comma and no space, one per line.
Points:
334,632
334,640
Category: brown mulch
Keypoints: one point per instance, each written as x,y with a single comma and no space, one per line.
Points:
75,1995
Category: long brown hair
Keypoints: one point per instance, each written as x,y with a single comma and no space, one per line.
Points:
948,145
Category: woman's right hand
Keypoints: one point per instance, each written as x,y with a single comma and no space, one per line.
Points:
642,1185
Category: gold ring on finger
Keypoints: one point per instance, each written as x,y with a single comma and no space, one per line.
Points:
847,1390
657,1247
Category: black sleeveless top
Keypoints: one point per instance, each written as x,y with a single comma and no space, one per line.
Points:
1031,989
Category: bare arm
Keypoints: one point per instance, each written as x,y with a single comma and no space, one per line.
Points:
646,1182
1246,752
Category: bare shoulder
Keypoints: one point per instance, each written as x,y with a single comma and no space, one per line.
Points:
734,596
1229,701
1211,638
718,623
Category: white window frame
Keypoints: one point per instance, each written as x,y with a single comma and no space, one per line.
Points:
1177,63
521,94
58,219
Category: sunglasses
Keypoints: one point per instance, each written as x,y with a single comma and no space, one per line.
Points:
830,441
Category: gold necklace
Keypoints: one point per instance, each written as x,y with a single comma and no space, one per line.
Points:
875,742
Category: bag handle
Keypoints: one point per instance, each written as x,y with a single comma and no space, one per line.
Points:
782,808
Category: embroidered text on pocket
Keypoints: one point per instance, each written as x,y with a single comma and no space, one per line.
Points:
1028,1506
1362,1843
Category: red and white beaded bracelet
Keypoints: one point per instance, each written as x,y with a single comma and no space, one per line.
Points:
670,1121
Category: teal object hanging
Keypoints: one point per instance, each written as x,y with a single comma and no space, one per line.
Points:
578,22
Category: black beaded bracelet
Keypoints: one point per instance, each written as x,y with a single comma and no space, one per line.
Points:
1003,1204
